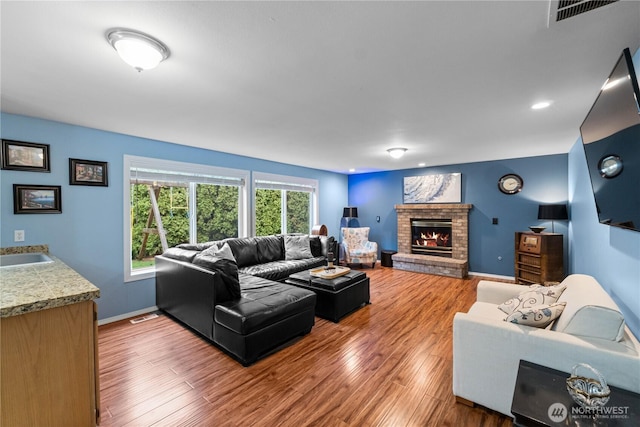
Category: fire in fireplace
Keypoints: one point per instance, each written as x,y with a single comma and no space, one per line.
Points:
431,237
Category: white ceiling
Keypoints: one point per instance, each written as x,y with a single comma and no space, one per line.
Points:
328,85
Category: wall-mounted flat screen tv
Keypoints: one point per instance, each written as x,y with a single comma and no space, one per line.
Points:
611,141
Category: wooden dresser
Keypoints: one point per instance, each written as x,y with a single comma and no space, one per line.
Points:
538,257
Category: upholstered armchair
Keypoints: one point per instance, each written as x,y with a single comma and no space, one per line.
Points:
356,247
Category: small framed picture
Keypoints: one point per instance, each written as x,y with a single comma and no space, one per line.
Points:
88,172
30,199
25,156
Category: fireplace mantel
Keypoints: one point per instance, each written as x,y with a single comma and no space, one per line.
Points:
457,265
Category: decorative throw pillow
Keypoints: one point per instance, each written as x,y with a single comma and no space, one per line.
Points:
533,296
221,261
539,316
223,251
297,247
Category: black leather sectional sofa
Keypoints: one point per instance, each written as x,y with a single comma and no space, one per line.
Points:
239,302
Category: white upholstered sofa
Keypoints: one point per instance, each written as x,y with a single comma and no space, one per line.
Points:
487,349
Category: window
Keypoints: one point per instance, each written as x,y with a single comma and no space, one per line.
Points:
171,203
284,204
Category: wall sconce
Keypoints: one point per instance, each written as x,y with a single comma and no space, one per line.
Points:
137,49
553,213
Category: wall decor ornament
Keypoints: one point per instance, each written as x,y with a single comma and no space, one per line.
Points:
88,172
34,199
25,156
440,188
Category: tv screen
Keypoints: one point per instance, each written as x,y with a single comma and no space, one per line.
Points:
611,141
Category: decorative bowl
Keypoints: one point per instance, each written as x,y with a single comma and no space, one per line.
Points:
536,229
590,393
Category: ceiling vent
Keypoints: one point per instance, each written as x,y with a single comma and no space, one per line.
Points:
571,8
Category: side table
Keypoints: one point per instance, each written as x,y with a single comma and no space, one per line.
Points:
385,258
540,398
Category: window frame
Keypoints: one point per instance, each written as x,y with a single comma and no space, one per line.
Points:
176,167
286,183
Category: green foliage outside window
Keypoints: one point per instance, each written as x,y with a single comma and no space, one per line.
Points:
217,216
268,212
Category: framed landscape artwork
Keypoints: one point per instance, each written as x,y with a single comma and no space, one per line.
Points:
88,172
440,188
32,199
25,156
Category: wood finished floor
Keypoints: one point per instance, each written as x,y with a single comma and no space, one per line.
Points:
388,364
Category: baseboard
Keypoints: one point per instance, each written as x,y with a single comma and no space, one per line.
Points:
492,276
127,315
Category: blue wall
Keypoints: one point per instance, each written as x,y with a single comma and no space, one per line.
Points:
545,181
88,235
610,254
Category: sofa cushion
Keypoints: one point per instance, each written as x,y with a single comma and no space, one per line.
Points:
263,303
590,311
316,245
280,270
221,261
270,248
539,316
180,254
245,250
535,295
297,247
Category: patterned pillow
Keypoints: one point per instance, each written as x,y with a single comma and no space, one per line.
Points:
533,296
539,316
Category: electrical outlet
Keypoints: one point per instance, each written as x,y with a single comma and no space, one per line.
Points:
18,235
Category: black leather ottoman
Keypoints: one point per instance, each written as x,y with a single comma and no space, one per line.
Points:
336,297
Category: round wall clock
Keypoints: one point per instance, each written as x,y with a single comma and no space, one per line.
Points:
510,183
610,166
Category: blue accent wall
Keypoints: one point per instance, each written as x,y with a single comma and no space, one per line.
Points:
545,181
610,254
88,235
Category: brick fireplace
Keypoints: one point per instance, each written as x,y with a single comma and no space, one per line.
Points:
457,265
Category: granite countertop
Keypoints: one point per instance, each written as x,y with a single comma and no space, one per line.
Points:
28,288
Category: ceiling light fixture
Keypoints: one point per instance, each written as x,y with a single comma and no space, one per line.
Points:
397,152
137,49
541,105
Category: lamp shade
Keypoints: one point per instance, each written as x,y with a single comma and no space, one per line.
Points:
552,212
350,212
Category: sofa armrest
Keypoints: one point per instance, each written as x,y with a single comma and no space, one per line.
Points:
497,292
486,354
187,292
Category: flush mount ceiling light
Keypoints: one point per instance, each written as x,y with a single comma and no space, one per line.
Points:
397,152
541,105
137,49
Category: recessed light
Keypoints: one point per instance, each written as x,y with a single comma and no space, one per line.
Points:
352,170
541,105
422,165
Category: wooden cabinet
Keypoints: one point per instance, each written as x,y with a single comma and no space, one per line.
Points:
49,367
538,257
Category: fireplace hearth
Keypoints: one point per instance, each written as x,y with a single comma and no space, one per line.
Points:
444,248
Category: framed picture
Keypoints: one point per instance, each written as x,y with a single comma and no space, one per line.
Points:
88,172
25,156
30,199
440,188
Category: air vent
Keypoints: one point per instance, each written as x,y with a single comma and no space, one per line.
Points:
571,8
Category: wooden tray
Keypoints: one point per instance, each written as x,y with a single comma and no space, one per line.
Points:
323,273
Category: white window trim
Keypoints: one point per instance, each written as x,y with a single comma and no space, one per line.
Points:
285,179
171,165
